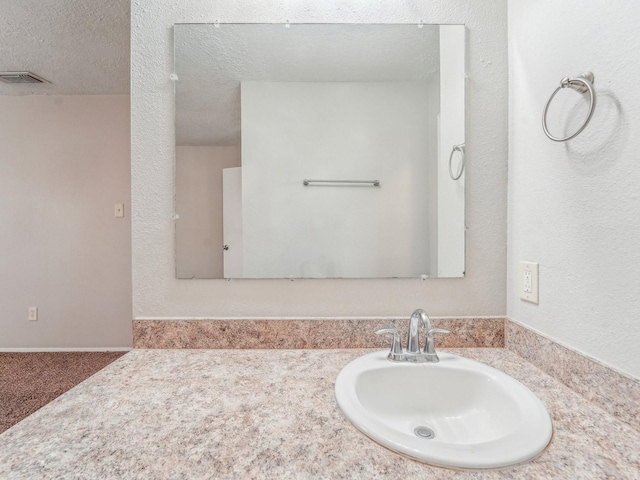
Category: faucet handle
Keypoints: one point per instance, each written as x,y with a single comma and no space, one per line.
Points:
396,352
438,330
430,346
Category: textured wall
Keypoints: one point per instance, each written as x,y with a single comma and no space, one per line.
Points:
574,207
65,163
157,293
81,47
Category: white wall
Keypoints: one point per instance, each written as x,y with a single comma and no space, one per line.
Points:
574,207
64,163
199,207
156,291
293,131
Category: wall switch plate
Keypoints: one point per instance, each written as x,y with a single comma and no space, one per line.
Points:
119,210
528,282
33,314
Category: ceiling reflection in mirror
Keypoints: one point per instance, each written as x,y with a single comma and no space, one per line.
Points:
319,150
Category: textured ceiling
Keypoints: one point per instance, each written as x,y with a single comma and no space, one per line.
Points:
80,46
211,61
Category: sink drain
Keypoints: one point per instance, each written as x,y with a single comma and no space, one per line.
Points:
424,432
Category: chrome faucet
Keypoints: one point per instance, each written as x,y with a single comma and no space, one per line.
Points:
412,353
413,337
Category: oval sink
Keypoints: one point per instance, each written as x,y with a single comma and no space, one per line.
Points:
457,413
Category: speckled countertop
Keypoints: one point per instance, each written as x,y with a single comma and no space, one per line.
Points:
272,414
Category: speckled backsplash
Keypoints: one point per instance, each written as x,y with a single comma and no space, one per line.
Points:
296,334
607,388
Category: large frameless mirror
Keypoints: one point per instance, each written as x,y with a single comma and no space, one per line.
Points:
319,150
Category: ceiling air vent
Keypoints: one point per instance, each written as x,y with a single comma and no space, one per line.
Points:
21,77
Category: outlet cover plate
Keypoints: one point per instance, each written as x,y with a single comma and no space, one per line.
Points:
528,282
118,210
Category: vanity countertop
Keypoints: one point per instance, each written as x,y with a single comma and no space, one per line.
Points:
271,414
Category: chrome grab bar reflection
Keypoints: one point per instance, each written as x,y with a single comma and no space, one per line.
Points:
309,183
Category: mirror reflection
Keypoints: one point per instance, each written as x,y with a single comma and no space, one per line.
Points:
319,150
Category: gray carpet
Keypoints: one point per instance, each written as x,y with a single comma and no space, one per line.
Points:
28,381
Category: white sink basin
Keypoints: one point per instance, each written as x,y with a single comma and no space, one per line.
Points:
480,417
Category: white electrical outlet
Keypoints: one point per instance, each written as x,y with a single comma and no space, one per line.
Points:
33,314
119,210
528,281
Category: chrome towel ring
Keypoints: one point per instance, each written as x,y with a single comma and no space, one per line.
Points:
457,148
582,84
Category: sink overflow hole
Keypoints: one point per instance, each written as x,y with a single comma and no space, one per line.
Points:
424,432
